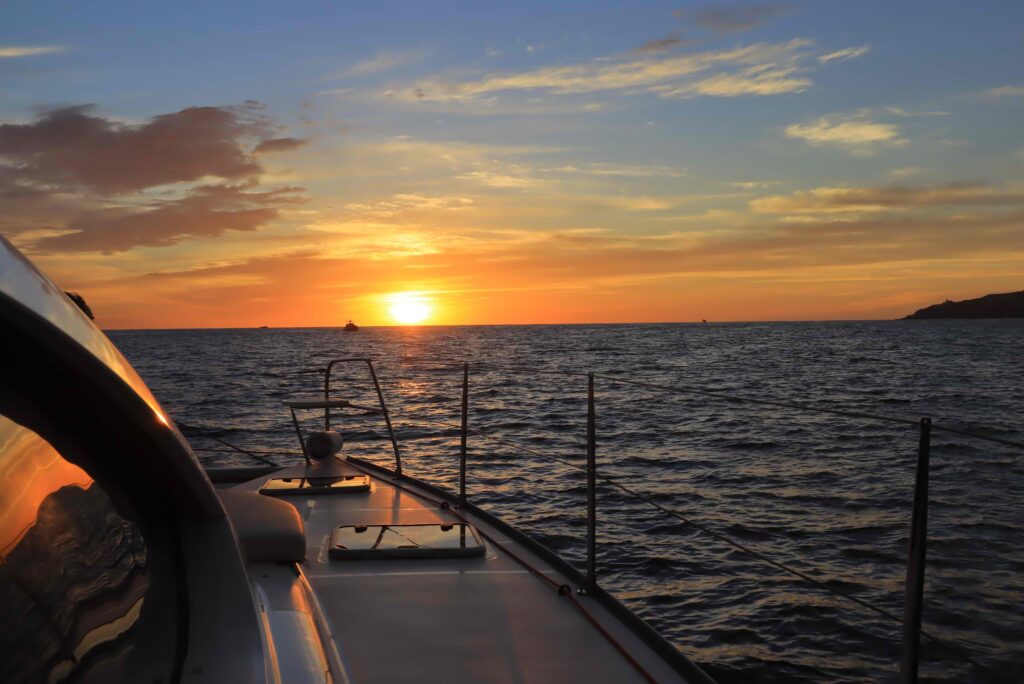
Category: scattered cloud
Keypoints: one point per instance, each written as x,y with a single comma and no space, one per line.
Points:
497,267
857,134
82,182
844,54
13,51
71,147
724,19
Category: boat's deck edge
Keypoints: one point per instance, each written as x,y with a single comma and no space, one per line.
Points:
650,637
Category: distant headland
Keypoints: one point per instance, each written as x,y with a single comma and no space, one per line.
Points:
1007,305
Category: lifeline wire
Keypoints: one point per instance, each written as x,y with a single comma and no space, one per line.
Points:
208,435
717,535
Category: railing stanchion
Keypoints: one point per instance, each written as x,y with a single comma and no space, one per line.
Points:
463,434
914,593
591,578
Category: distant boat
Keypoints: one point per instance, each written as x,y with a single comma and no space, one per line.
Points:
264,327
351,327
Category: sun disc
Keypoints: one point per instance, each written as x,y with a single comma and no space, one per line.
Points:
410,310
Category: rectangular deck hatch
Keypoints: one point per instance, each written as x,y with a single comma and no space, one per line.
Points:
378,542
301,486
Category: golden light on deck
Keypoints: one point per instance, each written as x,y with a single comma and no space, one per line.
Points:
410,308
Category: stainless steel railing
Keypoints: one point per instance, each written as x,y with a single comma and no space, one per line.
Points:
380,398
917,546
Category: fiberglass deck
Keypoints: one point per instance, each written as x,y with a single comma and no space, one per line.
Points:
485,619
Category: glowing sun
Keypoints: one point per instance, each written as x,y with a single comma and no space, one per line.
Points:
409,308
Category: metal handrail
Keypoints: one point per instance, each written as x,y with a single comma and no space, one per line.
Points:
591,577
463,434
913,598
380,398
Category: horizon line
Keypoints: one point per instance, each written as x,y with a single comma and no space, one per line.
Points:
508,325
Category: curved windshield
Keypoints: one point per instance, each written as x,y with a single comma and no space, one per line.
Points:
76,576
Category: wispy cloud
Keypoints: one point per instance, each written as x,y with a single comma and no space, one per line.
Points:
900,111
621,170
395,205
757,69
724,19
13,51
757,80
845,53
1003,92
817,249
280,145
830,200
754,185
499,180
857,134
384,61
905,172
663,44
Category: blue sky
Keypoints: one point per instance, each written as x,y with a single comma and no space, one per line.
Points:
578,161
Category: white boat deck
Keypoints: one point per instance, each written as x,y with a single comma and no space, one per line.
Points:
486,619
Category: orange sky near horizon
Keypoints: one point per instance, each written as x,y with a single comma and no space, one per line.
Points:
313,292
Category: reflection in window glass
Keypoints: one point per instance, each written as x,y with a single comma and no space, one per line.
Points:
73,572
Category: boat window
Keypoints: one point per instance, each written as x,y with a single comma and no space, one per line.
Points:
444,540
78,582
343,484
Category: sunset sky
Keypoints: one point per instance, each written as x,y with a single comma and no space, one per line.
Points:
301,164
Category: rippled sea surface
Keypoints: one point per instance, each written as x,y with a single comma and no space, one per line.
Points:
829,496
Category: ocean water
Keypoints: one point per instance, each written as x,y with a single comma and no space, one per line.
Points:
827,495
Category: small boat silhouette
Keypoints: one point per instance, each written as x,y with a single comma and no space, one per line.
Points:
351,327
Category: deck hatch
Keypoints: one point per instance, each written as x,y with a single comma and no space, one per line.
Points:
430,540
301,486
